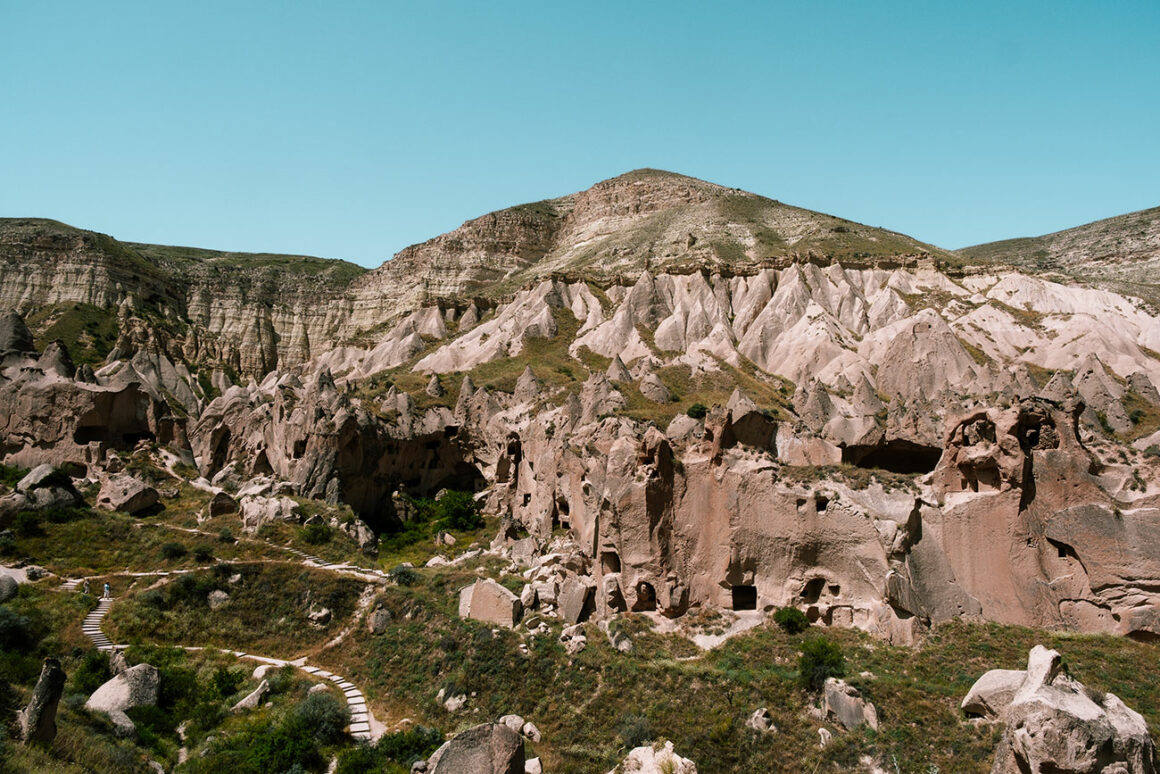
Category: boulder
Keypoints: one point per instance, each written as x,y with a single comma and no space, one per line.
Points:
576,600
41,475
217,599
486,600
135,687
530,731
8,587
38,719
125,493
655,759
14,334
258,510
490,748
992,692
652,388
761,721
843,703
1054,723
253,699
379,620
222,504
514,722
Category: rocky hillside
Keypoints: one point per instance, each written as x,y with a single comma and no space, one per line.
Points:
1120,253
680,408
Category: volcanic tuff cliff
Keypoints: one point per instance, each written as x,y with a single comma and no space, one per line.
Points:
728,401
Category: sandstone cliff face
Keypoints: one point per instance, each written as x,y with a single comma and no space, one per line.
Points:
727,401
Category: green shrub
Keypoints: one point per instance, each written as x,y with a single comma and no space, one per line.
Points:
10,475
225,535
634,730
227,682
203,554
173,551
15,630
91,673
27,524
458,510
697,410
819,660
404,576
791,620
1152,451
325,715
316,534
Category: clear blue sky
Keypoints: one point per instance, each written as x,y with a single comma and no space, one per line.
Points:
350,130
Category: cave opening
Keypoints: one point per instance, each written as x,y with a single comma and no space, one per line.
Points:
896,456
812,591
610,562
646,598
744,597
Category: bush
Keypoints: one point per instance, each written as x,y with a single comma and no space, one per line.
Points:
791,620
15,630
203,554
10,475
91,673
634,731
27,524
173,551
225,535
226,682
1152,451
316,534
403,576
325,715
697,410
458,510
819,660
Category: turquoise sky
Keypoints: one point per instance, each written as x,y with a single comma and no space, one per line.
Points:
350,130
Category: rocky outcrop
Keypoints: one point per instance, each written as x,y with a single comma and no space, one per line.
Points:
655,759
845,704
489,748
486,600
138,686
1054,723
125,493
38,720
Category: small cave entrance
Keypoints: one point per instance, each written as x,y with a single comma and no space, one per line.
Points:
744,597
220,453
979,479
896,456
646,598
609,562
812,591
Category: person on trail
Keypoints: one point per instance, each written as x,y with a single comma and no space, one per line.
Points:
108,591
86,586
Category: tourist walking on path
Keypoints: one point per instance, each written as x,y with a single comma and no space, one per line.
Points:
86,587
108,591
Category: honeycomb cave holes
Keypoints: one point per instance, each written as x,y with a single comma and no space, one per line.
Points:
896,456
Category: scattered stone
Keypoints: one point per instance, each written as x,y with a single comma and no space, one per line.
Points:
9,588
652,388
318,616
222,504
761,721
38,719
530,731
450,701
318,688
490,748
528,596
379,620
486,600
35,572
655,759
252,700
217,599
125,493
824,737
844,703
576,600
514,722
533,766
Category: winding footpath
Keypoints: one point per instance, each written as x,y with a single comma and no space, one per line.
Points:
363,727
